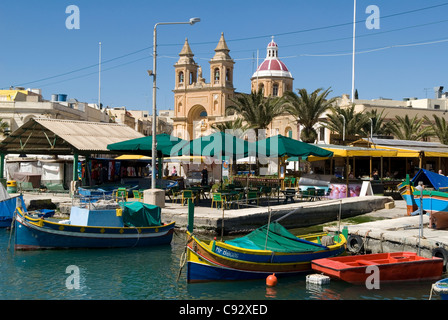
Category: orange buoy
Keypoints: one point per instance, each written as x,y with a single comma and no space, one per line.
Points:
271,280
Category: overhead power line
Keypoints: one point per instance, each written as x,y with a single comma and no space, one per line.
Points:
244,39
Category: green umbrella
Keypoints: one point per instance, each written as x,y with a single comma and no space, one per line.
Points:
219,145
279,146
165,144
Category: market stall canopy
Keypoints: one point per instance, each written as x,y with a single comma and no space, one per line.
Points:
165,144
64,137
407,148
280,146
217,145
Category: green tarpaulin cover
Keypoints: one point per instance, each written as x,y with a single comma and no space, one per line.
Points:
279,240
138,214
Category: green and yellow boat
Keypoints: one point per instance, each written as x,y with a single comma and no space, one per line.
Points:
266,250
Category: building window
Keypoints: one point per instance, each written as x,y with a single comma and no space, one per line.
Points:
181,77
437,106
203,114
322,134
275,89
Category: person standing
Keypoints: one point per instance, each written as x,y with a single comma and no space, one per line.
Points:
204,172
166,172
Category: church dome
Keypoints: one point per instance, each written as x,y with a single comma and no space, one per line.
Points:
272,66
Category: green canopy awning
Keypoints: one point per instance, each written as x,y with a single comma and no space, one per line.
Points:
279,146
218,145
143,146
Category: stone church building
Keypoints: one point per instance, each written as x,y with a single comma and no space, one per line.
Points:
199,104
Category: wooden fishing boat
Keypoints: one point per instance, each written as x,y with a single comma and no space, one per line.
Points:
435,195
132,224
267,250
395,266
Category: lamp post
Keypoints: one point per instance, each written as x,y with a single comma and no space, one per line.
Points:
153,73
343,129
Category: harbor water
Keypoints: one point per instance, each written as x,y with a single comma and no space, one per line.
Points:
152,274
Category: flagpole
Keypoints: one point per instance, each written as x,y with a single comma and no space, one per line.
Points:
99,79
353,58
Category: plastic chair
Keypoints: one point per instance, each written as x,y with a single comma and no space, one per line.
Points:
266,190
175,193
320,193
187,194
218,198
312,193
137,195
292,182
304,194
252,196
237,198
121,194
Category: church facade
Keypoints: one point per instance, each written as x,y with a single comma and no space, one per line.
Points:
200,104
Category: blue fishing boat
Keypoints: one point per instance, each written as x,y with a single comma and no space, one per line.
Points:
441,288
435,194
130,224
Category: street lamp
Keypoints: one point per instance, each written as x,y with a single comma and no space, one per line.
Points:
343,129
153,73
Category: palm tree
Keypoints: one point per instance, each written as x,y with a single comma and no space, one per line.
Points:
405,128
441,128
354,121
4,127
307,109
236,128
378,121
256,110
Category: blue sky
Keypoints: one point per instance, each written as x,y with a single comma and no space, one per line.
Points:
405,57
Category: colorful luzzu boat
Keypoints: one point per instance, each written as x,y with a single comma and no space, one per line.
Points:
134,224
433,199
258,254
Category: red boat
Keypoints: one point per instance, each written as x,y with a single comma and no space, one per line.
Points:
396,266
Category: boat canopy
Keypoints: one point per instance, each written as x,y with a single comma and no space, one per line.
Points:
431,179
279,240
138,214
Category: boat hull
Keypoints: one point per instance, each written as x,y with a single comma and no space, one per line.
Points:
396,266
205,264
434,199
7,209
38,234
441,287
